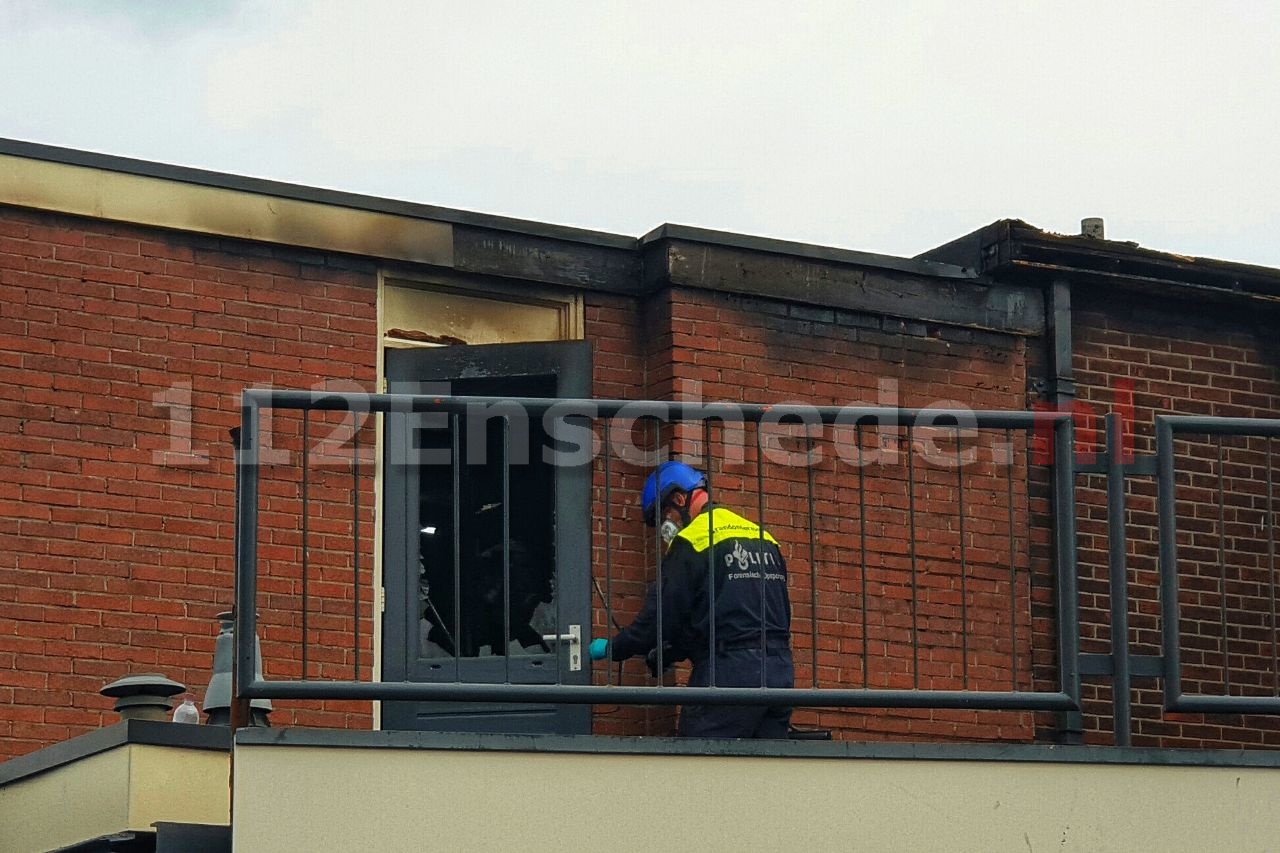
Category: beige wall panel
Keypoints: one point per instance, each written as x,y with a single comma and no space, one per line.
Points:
66,805
125,788
349,799
185,785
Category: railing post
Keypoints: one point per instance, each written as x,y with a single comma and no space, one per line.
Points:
1118,579
1168,525
246,559
1071,723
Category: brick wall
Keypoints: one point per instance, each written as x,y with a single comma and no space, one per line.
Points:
625,335
124,351
1148,357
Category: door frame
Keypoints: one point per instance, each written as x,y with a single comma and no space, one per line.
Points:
570,363
569,305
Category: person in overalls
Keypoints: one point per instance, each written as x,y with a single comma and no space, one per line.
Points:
750,637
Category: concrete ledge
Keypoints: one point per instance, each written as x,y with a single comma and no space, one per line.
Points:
612,745
392,790
122,733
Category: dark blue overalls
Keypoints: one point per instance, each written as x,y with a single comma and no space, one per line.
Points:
749,639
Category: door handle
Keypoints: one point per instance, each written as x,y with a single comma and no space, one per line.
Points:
574,639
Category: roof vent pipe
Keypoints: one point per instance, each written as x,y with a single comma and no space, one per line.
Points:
1092,228
144,696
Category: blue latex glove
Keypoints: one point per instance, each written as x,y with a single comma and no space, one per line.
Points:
599,648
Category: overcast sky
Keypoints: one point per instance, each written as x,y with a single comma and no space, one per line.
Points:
885,127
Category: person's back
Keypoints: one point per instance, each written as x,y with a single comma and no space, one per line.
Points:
748,642
752,607
723,604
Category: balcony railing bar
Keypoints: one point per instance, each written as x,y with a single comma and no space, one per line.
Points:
813,559
587,694
1013,572
760,535
506,551
1066,698
1222,567
659,550
660,410
306,541
456,474
911,551
1119,581
1271,577
1064,526
608,539
862,552
355,552
964,571
1167,428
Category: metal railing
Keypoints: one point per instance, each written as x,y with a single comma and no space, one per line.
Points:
818,421
1226,554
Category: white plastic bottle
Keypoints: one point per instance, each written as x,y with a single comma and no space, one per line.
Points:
186,712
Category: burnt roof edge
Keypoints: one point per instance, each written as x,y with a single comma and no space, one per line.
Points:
1012,247
914,266
300,192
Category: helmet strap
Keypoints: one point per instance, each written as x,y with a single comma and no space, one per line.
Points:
683,502
680,500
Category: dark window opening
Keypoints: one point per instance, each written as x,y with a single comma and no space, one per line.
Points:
472,624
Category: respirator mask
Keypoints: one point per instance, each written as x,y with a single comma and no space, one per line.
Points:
668,531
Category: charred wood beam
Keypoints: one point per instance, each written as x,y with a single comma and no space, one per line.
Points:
954,300
1184,291
613,265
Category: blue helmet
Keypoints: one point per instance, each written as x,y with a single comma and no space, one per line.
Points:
665,479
